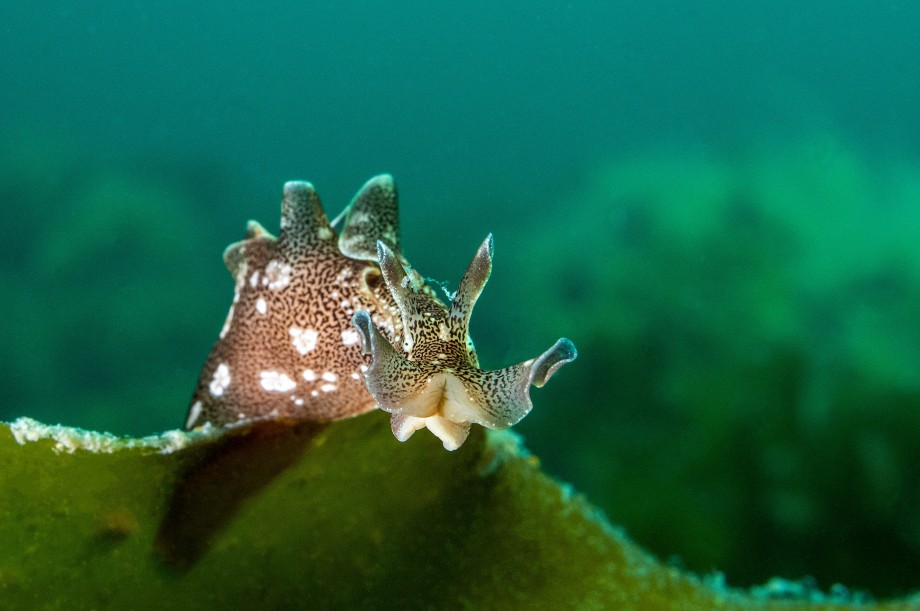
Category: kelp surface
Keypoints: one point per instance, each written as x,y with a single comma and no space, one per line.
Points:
309,516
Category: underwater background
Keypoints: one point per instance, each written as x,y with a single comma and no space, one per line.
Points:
719,203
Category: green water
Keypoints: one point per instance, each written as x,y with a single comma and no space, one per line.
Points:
717,203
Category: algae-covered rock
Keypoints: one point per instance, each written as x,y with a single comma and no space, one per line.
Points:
310,516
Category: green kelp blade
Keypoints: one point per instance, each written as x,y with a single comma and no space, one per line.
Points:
347,518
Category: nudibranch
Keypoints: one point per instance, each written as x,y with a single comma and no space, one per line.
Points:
310,334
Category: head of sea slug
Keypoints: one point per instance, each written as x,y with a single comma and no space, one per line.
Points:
433,378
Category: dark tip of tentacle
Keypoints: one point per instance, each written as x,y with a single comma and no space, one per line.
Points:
545,365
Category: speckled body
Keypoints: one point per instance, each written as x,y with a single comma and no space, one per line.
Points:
288,348
324,327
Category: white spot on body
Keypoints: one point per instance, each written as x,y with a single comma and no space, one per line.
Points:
304,340
261,306
324,233
327,388
443,332
275,381
220,380
349,337
330,377
314,393
254,279
355,376
277,275
226,327
193,414
309,375
240,281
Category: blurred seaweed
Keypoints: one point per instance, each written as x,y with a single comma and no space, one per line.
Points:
103,298
748,398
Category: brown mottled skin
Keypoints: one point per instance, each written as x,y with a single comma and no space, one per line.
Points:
325,288
308,304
